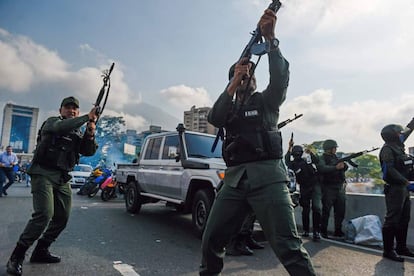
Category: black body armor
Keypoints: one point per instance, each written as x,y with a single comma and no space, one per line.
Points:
403,163
58,151
305,172
335,177
248,139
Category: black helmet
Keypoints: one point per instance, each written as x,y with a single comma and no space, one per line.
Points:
329,144
391,133
297,151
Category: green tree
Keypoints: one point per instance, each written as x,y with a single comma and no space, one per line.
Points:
109,138
368,165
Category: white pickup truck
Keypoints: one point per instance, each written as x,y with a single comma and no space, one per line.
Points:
179,168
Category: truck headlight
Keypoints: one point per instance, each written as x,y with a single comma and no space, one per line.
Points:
220,174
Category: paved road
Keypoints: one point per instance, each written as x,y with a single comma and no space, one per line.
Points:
103,239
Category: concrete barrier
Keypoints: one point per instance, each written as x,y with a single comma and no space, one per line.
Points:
358,205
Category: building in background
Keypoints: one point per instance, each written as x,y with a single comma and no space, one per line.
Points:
196,120
19,128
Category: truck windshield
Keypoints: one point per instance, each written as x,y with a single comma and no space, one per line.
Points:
200,146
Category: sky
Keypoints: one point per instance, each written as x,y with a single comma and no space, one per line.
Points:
351,62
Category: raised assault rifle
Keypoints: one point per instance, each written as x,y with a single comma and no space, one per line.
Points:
254,47
104,92
354,155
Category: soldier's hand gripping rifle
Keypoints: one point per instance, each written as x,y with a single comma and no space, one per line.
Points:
354,155
255,45
104,92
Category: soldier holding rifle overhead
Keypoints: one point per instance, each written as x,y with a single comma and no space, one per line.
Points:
60,143
256,178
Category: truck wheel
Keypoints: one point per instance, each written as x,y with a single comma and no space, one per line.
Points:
200,211
133,199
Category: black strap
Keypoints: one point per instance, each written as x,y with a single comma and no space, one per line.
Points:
220,134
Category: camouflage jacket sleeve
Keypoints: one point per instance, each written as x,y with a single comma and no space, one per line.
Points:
218,113
88,146
58,125
323,167
275,93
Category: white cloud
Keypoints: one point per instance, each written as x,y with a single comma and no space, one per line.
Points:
183,97
27,67
132,121
18,77
355,126
86,48
25,63
344,35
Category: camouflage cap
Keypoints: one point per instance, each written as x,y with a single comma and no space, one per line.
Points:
329,144
70,100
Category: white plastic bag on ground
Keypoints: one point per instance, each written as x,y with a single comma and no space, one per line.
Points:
366,230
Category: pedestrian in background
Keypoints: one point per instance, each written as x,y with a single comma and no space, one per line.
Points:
59,146
8,160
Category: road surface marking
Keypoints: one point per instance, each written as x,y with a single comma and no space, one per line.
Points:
125,269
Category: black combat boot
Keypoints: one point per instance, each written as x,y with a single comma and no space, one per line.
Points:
252,243
324,232
388,234
41,253
15,263
401,238
316,219
243,248
237,247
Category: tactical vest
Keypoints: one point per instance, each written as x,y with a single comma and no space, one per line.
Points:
335,177
403,163
58,151
305,172
247,138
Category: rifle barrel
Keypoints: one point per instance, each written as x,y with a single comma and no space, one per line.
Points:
112,68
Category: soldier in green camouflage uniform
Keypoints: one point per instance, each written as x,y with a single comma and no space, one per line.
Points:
397,169
256,177
333,188
60,143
